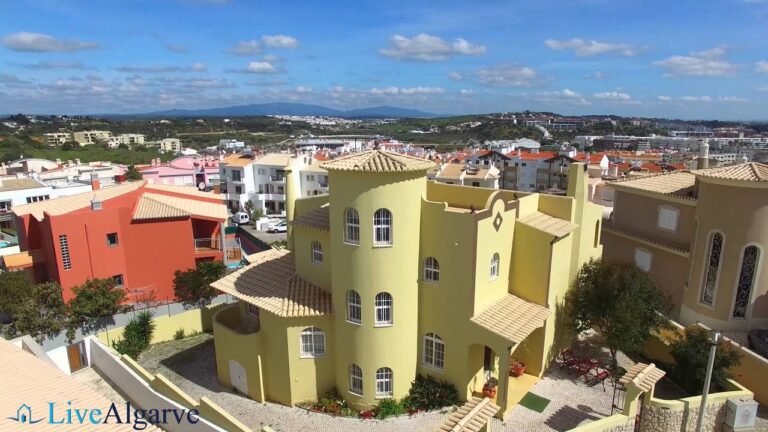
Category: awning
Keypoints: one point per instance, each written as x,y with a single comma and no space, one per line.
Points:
512,318
470,417
24,260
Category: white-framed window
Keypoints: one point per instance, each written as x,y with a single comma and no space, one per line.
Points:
66,262
382,227
354,307
434,351
431,270
712,268
643,259
262,171
317,252
355,380
310,177
667,218
383,306
384,383
352,226
494,273
312,342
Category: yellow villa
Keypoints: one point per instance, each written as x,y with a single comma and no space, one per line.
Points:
391,275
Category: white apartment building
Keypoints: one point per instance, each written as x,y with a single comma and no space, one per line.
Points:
57,138
466,175
231,144
91,137
130,139
168,145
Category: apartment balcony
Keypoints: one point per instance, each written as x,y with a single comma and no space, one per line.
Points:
324,185
208,246
277,179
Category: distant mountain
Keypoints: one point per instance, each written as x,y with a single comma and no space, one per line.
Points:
278,108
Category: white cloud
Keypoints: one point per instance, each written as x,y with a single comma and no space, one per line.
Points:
763,89
406,90
664,98
271,58
260,67
613,96
194,67
178,49
245,48
566,96
732,99
53,65
467,92
38,42
426,47
198,67
455,76
596,75
699,63
280,41
506,75
762,66
303,89
695,98
587,48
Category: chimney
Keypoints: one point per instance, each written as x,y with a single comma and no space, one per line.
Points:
77,161
95,183
153,163
58,162
703,161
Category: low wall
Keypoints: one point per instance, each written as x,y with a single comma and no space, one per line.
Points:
149,391
614,423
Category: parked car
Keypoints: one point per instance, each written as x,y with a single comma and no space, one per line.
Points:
273,223
240,218
279,228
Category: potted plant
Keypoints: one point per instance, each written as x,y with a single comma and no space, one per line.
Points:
489,389
517,368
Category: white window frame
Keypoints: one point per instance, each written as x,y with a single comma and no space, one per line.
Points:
662,221
638,263
382,220
431,270
315,342
495,266
383,304
317,252
432,346
384,383
354,302
355,380
351,225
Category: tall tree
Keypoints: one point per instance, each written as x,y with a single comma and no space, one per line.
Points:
93,306
691,354
15,289
619,301
43,314
193,286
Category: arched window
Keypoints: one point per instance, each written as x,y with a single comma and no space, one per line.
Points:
312,342
597,233
712,269
749,263
431,270
352,226
495,266
384,383
434,351
383,309
354,307
355,380
317,252
382,227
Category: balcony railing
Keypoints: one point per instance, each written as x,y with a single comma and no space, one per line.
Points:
208,244
324,185
277,178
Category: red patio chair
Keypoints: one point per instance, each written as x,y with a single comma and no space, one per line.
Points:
600,377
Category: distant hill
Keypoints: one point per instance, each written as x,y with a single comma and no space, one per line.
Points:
279,108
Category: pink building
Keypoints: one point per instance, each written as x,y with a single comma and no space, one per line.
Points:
184,170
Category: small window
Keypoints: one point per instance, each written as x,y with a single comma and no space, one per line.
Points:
112,239
384,383
476,184
667,218
262,171
252,310
118,280
354,307
431,270
66,262
383,310
312,343
434,351
238,190
643,259
317,252
494,266
356,380
352,227
236,175
382,227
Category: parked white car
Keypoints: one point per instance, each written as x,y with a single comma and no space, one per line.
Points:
278,228
240,218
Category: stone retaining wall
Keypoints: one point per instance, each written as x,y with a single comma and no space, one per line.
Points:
663,419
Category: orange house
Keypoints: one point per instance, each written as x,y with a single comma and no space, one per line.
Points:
135,233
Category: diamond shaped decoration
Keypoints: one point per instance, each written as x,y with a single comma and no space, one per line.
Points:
497,221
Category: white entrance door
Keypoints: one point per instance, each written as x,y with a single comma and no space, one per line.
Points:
237,377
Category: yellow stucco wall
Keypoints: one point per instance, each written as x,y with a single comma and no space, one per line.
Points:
318,273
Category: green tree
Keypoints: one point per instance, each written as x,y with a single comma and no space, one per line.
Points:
193,286
137,335
132,174
619,301
67,146
43,315
691,354
123,146
15,290
93,306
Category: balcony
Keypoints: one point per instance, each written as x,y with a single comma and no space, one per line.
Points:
208,246
231,318
277,179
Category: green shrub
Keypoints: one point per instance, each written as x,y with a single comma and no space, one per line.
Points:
179,335
427,393
332,403
691,354
389,408
136,335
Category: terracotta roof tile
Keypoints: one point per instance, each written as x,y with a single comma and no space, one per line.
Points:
316,219
378,161
191,206
676,183
512,318
271,283
643,376
470,417
751,172
549,224
63,205
149,208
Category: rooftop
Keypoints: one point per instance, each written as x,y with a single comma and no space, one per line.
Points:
14,184
512,318
676,183
190,206
71,203
751,172
270,282
549,224
378,161
149,209
278,159
238,160
316,219
184,190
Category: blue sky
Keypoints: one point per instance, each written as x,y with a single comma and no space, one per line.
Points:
672,58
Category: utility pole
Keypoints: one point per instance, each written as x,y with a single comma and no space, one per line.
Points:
714,338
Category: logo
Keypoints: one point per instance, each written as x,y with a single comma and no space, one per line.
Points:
24,415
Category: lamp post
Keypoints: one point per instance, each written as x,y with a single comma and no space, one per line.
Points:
714,338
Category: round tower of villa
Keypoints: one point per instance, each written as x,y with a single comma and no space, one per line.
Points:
375,216
728,287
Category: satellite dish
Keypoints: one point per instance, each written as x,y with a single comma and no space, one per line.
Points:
201,186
